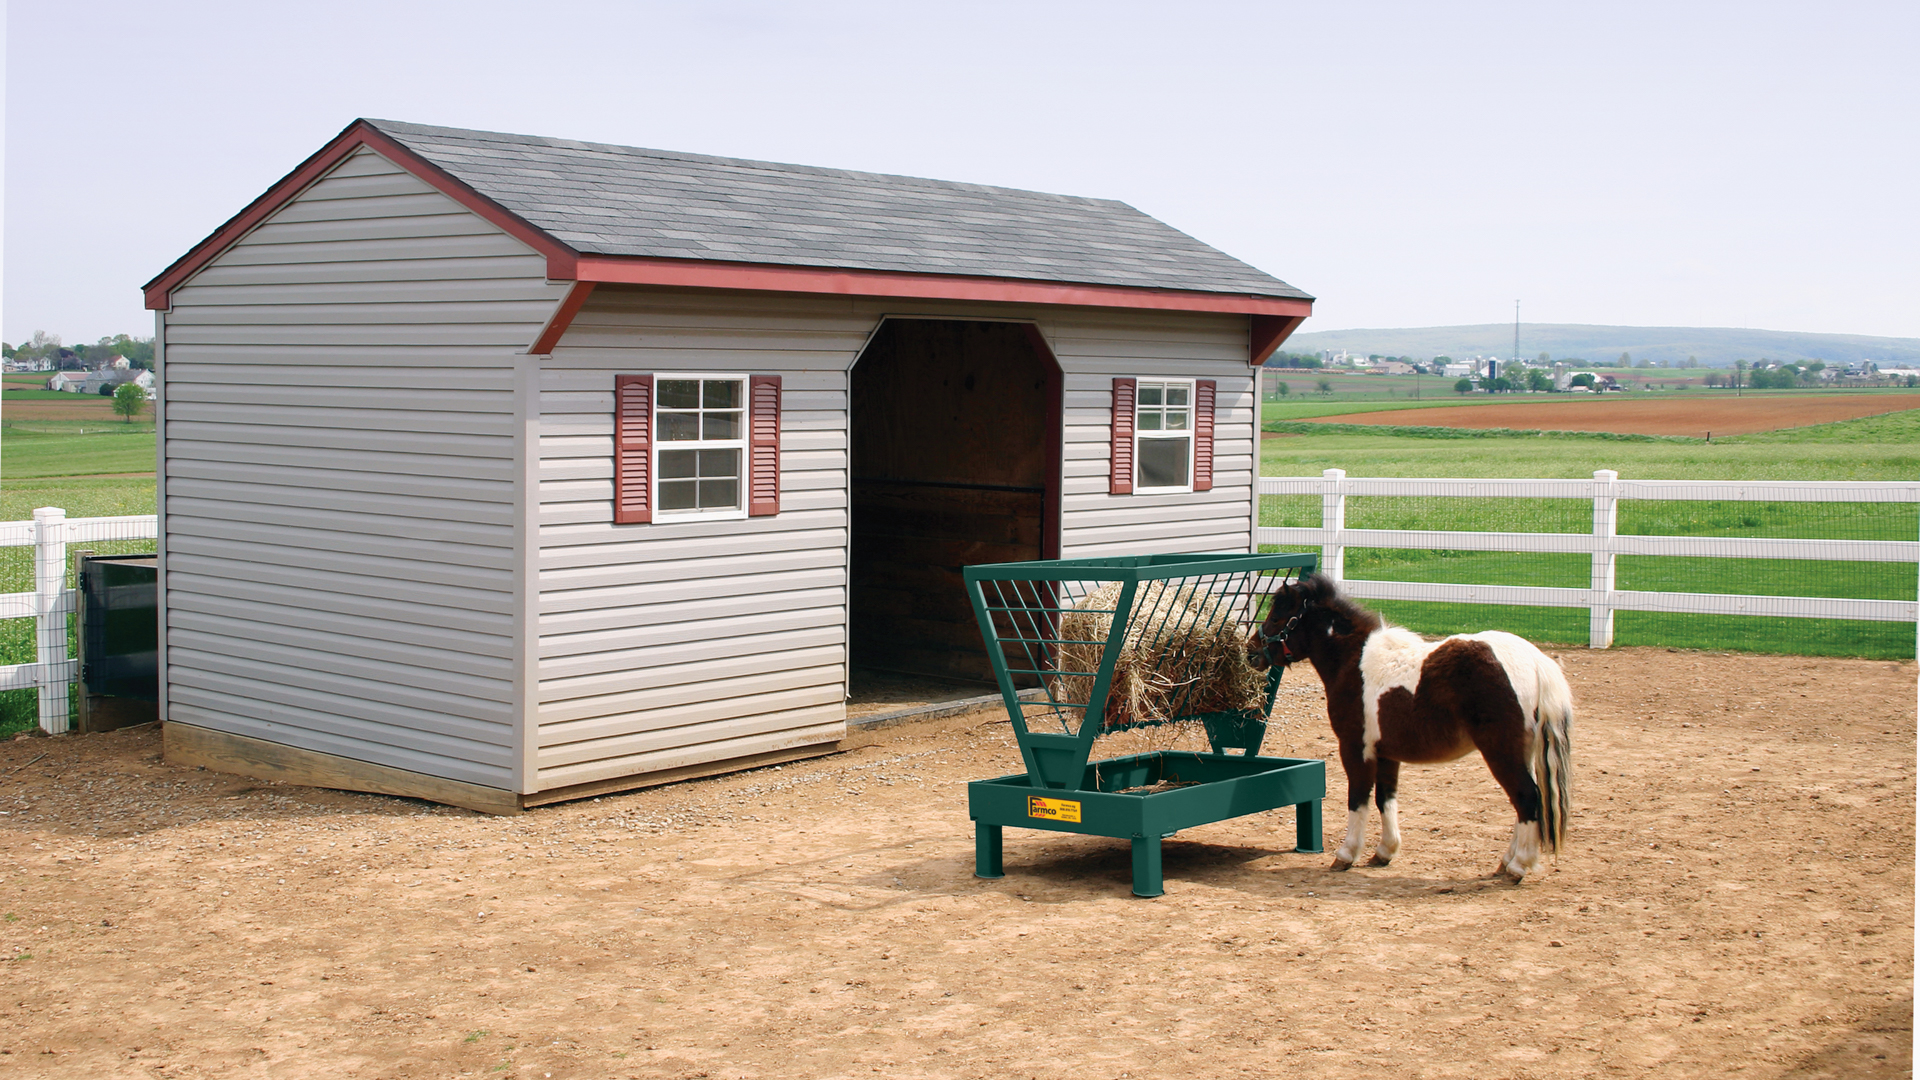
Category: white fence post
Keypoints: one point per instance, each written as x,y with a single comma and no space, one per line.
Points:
1605,524
50,615
1333,522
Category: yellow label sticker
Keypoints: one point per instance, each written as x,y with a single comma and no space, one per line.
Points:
1053,809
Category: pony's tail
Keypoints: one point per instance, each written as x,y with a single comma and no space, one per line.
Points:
1553,755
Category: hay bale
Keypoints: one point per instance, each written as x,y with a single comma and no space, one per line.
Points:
1183,655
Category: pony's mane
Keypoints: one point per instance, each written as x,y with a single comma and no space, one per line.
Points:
1322,590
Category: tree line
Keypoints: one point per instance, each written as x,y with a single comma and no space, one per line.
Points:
48,348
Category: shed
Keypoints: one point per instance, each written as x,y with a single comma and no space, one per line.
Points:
501,470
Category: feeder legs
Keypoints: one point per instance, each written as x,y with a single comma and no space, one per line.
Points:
1147,881
1306,828
986,851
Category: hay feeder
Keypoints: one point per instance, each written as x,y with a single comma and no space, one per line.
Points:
1125,643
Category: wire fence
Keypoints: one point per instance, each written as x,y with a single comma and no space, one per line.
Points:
1828,568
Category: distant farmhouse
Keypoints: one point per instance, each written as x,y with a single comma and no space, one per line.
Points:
108,375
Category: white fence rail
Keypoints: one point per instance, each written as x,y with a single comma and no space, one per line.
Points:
50,532
1603,544
54,667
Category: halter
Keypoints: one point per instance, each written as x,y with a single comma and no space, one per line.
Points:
1266,640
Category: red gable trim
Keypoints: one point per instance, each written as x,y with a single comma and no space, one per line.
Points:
560,257
562,318
1269,331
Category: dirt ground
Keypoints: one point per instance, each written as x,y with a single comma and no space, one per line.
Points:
1694,417
1737,901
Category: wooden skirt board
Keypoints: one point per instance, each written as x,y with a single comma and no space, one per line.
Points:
242,755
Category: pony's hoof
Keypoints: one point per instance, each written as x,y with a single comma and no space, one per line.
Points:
1512,877
1380,860
1342,864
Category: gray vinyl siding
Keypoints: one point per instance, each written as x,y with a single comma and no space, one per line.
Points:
674,644
1093,348
680,643
342,474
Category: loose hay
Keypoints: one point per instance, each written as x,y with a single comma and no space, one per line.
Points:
1184,655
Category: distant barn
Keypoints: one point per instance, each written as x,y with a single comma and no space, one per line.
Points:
501,470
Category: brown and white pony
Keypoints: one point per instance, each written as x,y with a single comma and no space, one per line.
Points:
1394,697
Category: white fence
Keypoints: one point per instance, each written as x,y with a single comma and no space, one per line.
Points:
54,668
50,532
1604,544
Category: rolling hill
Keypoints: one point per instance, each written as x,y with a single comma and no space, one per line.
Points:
1712,346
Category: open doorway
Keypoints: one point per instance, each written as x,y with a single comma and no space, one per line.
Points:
955,447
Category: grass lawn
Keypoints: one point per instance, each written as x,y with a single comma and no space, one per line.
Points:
41,465
43,448
1885,447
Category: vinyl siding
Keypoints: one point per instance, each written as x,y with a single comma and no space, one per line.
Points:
1095,346
675,644
680,643
341,466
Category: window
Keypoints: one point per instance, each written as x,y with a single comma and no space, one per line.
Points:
696,446
1164,428
700,432
1162,436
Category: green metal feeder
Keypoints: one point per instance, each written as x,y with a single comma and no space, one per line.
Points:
1022,609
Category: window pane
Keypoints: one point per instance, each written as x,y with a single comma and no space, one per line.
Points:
1149,419
679,393
1163,462
679,427
719,463
723,425
1150,393
721,394
679,494
719,494
1176,395
1176,420
677,463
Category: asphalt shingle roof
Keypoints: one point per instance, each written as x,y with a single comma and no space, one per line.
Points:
622,200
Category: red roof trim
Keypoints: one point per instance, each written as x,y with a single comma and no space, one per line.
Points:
560,257
1269,331
760,277
562,318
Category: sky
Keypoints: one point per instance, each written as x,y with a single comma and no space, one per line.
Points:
1676,164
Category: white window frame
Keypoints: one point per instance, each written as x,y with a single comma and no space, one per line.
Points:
659,446
1140,434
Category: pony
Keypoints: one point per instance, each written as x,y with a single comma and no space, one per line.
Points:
1395,698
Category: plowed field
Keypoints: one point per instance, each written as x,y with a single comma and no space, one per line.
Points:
1643,416
70,407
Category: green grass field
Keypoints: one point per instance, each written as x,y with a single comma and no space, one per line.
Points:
43,463
1883,447
43,448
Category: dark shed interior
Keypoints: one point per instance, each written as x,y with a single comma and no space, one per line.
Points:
956,461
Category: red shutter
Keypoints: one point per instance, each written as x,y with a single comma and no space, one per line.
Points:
1203,435
632,449
763,447
1120,482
